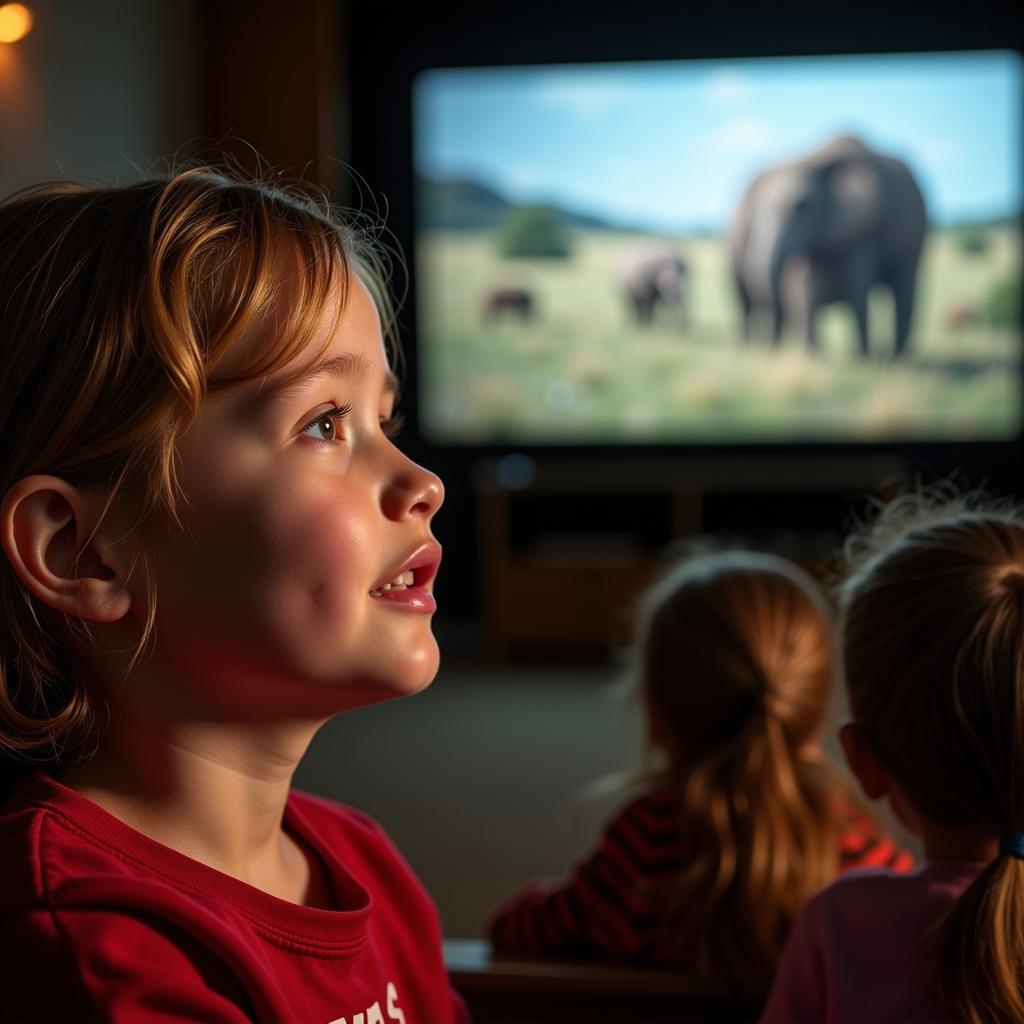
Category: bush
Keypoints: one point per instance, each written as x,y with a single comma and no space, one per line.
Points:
1002,307
533,232
971,241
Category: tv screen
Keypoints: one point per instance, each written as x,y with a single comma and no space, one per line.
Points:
783,250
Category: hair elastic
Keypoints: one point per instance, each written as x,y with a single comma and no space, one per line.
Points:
1013,581
1012,844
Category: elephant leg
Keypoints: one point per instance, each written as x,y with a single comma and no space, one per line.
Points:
903,293
777,319
810,329
807,309
860,314
801,298
746,312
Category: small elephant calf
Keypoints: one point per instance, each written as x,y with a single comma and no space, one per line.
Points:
508,299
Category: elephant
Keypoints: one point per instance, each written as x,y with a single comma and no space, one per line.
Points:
508,299
654,276
827,228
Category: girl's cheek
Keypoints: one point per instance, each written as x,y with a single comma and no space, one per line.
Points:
317,532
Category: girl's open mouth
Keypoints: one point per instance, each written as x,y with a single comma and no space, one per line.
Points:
410,586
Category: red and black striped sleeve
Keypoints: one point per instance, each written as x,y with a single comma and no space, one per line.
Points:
602,907
864,844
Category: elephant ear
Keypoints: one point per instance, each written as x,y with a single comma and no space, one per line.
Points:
855,203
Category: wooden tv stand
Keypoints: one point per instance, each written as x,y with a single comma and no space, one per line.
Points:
567,547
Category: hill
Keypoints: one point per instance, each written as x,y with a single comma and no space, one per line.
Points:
464,205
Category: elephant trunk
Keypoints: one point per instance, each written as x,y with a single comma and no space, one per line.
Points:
767,251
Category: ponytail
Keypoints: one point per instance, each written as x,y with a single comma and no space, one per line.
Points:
734,657
764,838
981,946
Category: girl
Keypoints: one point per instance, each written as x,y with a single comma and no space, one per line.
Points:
932,626
211,546
706,870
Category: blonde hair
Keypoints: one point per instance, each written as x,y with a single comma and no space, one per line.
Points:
117,307
933,647
734,659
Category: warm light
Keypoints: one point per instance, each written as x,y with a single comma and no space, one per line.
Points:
15,22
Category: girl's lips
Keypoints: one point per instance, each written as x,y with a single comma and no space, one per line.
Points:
411,581
413,599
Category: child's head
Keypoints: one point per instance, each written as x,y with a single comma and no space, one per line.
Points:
933,649
195,464
733,656
733,651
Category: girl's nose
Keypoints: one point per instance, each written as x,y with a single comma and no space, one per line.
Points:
415,491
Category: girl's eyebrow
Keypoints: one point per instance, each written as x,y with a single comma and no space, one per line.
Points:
347,364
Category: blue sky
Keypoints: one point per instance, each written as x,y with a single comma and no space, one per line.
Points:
671,146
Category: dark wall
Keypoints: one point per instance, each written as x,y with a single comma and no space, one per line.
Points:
102,89
274,87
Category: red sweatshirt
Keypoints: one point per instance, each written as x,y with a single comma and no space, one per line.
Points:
601,909
98,922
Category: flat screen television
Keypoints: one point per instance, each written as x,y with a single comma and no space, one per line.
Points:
753,235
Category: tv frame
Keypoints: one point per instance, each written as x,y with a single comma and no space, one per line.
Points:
391,41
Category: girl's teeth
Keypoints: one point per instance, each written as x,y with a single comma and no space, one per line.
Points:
402,582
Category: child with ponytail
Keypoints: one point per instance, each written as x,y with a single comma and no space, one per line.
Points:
707,869
933,645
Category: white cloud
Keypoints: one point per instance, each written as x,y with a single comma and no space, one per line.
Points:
623,169
727,88
939,152
741,136
584,98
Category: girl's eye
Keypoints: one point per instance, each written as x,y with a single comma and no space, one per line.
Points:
324,429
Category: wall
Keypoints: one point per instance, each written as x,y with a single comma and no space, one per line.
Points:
113,89
99,88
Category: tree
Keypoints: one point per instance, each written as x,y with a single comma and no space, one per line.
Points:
533,232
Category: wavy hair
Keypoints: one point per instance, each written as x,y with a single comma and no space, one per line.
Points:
117,307
932,616
734,659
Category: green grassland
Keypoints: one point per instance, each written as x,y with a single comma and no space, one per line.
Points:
582,371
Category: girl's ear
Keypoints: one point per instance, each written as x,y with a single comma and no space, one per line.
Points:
863,761
52,536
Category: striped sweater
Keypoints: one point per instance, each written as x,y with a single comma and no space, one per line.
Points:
600,908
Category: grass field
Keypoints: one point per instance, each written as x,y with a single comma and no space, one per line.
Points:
581,371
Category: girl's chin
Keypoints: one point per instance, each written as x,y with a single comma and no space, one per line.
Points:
416,673
423,675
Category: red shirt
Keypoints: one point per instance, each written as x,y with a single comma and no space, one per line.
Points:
600,909
99,922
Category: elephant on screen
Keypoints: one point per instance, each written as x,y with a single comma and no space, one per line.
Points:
827,228
508,299
653,277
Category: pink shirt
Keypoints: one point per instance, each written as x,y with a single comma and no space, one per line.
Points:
860,949
99,922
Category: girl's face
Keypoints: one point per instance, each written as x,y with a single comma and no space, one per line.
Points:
301,512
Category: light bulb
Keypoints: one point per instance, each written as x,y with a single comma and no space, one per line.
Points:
15,22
